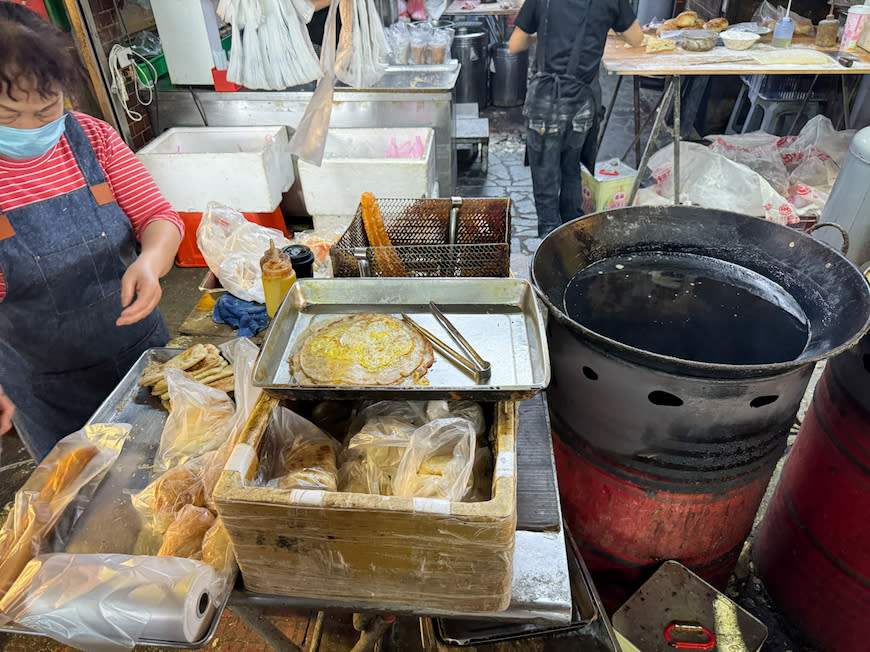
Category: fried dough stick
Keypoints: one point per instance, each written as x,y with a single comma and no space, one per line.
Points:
385,254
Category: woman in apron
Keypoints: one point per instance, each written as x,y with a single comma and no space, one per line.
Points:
78,306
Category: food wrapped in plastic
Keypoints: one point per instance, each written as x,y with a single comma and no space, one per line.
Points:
412,412
184,535
75,461
160,501
217,549
297,454
108,602
199,422
372,456
439,45
420,34
438,462
398,42
462,409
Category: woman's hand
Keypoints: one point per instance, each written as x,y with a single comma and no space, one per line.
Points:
7,409
141,281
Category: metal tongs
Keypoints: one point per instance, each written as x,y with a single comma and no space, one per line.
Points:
475,366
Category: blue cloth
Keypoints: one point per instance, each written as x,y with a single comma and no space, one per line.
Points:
62,258
249,317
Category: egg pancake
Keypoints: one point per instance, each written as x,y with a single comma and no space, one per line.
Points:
362,349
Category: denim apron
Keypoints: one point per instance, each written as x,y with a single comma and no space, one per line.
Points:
62,258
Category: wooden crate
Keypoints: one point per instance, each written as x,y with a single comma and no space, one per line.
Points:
417,553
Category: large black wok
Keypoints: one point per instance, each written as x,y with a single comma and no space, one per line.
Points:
830,290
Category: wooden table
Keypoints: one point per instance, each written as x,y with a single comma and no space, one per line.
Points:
621,60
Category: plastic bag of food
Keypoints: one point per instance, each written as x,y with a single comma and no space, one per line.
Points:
200,420
439,45
460,409
232,247
768,15
419,35
108,602
169,492
296,454
75,461
183,537
398,43
372,457
438,461
217,549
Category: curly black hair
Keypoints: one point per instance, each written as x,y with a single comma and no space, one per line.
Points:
33,49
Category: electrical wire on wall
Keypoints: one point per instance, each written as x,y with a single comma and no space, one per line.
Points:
120,57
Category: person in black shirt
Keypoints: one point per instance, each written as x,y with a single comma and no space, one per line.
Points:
563,99
317,25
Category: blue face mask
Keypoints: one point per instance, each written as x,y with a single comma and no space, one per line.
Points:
30,143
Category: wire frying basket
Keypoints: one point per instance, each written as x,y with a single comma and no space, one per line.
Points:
431,237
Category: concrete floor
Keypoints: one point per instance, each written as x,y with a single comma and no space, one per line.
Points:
506,177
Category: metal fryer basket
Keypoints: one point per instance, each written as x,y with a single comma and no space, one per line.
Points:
420,231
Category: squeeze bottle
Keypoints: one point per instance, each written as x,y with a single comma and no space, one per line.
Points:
278,277
782,33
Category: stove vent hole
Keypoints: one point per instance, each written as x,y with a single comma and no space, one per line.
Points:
666,399
590,373
761,401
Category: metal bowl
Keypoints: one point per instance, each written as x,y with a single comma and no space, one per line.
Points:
698,40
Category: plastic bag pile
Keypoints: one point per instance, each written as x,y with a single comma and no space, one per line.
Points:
780,178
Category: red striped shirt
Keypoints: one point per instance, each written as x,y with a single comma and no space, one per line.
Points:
56,172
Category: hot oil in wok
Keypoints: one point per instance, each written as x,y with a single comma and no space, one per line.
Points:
690,307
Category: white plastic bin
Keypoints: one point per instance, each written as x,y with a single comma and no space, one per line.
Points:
355,161
246,168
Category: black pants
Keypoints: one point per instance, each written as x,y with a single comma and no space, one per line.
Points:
555,152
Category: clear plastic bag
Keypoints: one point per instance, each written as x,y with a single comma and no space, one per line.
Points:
372,457
108,602
296,454
439,45
419,37
309,139
709,179
398,43
200,420
360,61
75,461
184,536
460,409
169,492
232,247
438,462
767,14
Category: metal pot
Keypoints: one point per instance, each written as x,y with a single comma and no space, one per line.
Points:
658,407
831,291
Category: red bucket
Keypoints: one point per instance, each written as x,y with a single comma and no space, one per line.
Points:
812,548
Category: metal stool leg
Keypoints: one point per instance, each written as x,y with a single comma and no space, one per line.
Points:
484,157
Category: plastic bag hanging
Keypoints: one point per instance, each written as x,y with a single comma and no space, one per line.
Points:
362,48
271,48
309,139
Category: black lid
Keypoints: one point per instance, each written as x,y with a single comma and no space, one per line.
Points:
299,253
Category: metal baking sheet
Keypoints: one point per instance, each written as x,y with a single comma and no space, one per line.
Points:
109,523
499,317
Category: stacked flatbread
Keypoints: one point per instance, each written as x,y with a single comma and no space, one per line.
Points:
202,361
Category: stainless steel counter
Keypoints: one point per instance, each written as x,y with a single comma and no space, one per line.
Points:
407,96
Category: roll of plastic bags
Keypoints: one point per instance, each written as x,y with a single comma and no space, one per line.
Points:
108,602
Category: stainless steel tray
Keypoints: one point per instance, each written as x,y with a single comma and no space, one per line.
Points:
109,523
499,317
